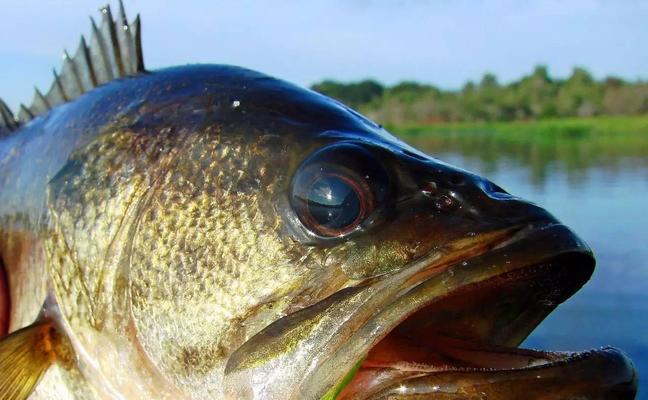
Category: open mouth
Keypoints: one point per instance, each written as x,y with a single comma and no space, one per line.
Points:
464,344
446,327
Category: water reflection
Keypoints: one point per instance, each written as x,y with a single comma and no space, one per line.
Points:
600,189
542,155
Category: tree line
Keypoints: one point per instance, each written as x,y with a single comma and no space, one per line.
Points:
535,96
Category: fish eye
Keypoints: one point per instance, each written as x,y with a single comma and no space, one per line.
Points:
337,188
333,204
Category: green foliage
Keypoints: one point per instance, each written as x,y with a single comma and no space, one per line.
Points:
354,94
335,391
573,144
536,96
622,128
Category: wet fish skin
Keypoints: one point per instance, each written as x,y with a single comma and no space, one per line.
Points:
158,206
163,171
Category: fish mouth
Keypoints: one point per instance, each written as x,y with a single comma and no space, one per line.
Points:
447,326
462,343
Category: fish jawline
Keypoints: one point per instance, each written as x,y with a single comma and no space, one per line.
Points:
511,372
443,347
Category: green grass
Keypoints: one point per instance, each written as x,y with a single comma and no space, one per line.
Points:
336,390
573,143
561,127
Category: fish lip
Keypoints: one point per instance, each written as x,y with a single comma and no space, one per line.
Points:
607,370
528,249
547,239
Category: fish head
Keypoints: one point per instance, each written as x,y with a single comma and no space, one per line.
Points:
440,275
277,244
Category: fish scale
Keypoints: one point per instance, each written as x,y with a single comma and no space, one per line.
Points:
233,244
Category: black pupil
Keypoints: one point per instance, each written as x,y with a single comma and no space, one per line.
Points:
333,202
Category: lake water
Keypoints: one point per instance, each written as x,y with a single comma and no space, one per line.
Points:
604,198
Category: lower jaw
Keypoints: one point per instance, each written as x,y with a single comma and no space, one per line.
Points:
421,356
455,369
463,346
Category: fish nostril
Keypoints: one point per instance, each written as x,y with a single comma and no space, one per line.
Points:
428,188
445,203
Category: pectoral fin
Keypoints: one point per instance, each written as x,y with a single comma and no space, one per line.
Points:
25,355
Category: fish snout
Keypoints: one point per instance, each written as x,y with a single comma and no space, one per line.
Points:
479,199
495,202
464,209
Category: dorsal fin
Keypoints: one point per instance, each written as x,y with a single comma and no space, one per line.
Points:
7,120
114,51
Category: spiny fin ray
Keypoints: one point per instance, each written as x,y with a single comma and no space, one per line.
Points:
115,51
7,120
25,355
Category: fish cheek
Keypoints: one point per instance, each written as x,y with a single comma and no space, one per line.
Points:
413,234
369,259
206,254
92,206
391,246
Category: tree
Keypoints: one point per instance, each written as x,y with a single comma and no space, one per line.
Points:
534,96
353,94
580,95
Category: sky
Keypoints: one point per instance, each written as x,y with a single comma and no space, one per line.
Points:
443,42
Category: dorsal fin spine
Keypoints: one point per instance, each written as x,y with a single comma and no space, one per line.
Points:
115,51
56,94
83,55
59,85
42,98
137,42
24,114
39,103
8,121
69,78
125,36
103,71
108,24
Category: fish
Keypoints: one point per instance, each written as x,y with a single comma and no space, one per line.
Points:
211,232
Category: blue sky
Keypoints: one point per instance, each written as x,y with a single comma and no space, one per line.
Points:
440,42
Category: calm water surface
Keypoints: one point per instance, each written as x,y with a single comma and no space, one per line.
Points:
606,202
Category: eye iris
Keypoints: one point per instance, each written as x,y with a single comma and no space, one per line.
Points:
334,202
337,188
